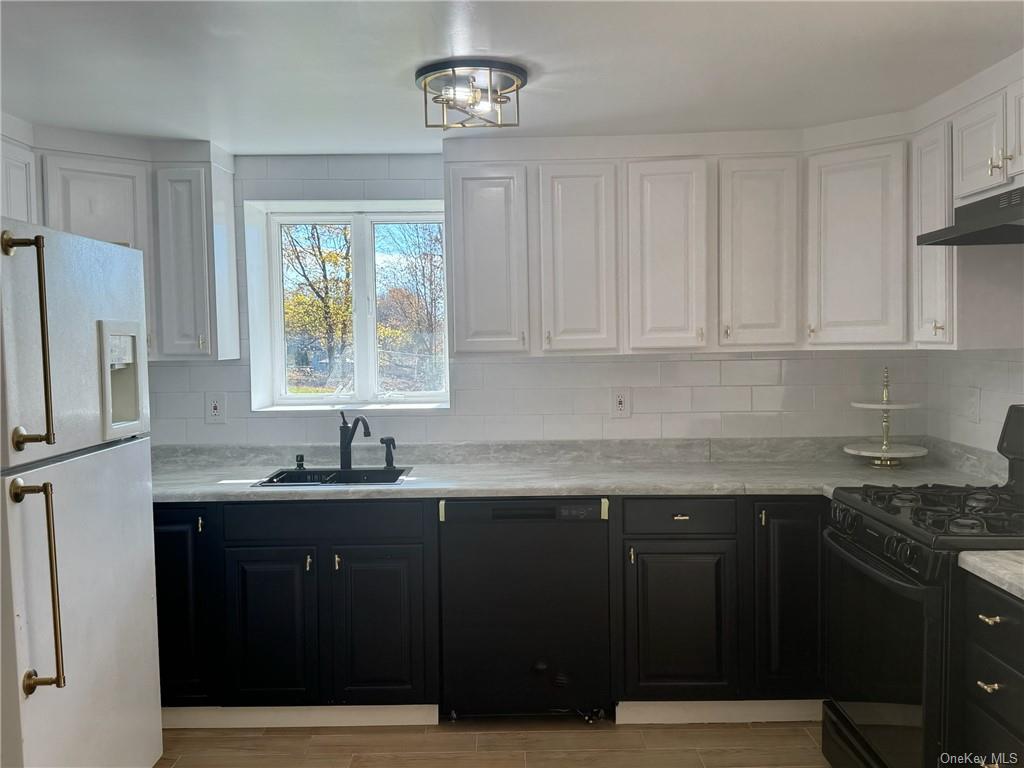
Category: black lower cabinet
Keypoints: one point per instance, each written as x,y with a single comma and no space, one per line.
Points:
271,625
681,612
186,540
788,598
377,624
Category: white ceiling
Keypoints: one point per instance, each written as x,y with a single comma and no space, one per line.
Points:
297,77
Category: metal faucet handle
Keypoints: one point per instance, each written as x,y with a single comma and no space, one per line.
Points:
300,461
344,421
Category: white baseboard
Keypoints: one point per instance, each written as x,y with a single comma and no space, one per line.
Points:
747,711
297,717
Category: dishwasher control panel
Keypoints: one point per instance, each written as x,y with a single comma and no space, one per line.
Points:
588,510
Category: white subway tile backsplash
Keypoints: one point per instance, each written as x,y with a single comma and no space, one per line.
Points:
544,401
235,432
505,427
171,405
636,427
415,167
782,398
250,167
272,189
662,399
591,401
297,167
165,378
572,427
480,402
964,402
765,372
813,371
466,376
219,378
358,167
279,430
691,425
691,373
394,189
751,425
721,399
453,429
167,431
333,189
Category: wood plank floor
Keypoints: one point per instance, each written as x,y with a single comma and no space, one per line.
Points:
517,743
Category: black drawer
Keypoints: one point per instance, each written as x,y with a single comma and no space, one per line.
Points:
985,736
338,521
995,621
996,687
680,516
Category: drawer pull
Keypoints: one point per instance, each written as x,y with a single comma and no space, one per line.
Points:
989,687
990,620
682,518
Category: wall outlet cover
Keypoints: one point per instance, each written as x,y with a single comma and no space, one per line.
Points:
621,405
215,408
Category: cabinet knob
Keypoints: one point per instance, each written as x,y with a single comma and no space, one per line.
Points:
309,563
936,327
810,330
999,163
700,334
728,331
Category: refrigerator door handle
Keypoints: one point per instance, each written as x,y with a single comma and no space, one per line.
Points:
31,679
20,436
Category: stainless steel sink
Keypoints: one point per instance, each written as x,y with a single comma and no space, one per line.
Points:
354,476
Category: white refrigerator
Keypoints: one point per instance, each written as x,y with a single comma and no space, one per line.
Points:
78,634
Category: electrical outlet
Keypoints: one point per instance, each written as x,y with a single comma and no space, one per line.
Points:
621,407
215,410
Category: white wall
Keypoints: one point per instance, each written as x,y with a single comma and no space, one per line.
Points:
969,392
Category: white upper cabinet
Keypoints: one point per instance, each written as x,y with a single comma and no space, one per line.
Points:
667,235
578,248
487,243
1015,101
198,284
98,198
18,190
758,251
980,146
184,327
931,208
856,245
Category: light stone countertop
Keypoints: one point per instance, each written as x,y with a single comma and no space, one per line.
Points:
175,482
1004,569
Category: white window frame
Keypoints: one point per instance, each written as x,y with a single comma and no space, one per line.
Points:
361,217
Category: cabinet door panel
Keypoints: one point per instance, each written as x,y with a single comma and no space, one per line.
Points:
578,256
856,260
979,134
487,241
377,611
788,599
1015,120
680,619
271,624
758,251
931,202
184,266
184,580
667,253
18,193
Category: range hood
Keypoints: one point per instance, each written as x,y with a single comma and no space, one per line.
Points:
995,220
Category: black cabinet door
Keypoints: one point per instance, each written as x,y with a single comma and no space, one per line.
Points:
271,620
681,611
788,599
184,550
377,624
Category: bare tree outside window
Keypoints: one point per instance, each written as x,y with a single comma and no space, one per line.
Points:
317,281
411,320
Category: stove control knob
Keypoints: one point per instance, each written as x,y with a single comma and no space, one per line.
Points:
837,511
889,546
851,521
905,553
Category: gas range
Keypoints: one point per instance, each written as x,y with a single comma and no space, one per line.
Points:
915,529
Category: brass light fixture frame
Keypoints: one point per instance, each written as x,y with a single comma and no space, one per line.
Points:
504,81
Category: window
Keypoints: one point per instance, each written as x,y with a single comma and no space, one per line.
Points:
358,307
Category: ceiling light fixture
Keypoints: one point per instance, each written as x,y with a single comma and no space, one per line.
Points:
470,93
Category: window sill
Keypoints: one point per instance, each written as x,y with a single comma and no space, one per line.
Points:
396,409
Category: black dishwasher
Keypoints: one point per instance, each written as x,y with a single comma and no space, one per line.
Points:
524,606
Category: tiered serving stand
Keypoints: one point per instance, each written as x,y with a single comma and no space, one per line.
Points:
887,455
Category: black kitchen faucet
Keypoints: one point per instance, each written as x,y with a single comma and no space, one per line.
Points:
348,434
